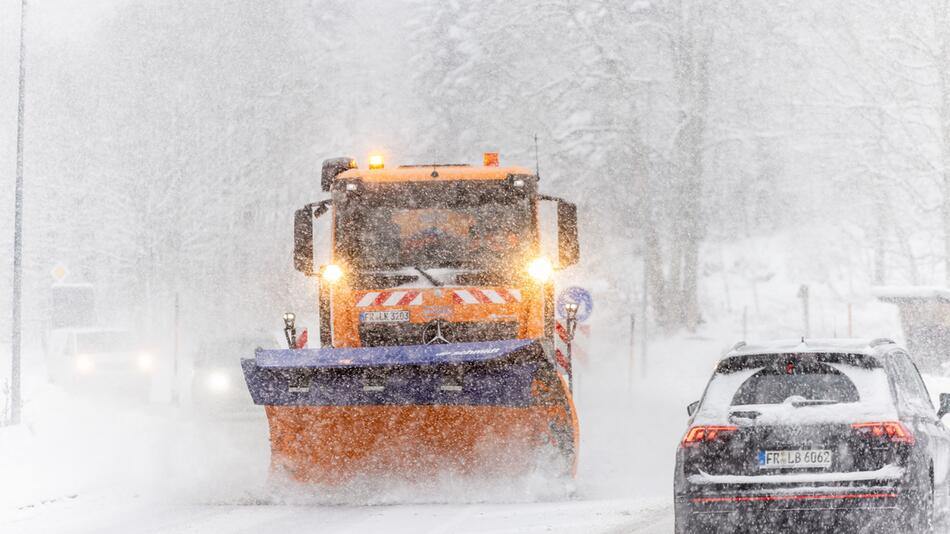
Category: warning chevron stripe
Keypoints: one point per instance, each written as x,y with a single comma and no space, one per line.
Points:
486,296
390,298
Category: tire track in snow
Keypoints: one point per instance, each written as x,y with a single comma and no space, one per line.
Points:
653,520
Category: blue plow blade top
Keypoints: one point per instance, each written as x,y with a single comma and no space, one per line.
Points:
382,356
418,374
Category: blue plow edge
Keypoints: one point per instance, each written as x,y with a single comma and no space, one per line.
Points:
334,377
383,356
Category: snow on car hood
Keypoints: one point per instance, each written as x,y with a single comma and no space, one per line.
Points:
876,403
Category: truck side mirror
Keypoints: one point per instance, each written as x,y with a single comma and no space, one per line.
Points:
944,405
568,247
333,167
303,240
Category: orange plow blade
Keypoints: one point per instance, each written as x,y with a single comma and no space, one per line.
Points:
332,444
462,409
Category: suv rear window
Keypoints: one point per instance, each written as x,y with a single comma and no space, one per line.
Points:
806,381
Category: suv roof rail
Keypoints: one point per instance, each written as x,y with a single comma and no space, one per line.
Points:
882,341
737,346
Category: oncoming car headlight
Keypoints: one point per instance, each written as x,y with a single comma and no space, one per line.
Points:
85,364
145,362
218,381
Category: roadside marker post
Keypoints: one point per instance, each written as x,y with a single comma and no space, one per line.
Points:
17,326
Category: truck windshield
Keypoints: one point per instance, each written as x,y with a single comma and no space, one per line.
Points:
477,227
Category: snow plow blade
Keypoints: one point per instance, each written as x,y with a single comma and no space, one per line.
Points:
487,408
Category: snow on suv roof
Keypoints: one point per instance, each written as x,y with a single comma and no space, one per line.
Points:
906,293
785,346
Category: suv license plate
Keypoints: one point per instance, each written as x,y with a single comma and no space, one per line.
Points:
800,459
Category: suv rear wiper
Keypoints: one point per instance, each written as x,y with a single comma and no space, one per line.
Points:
428,277
814,402
748,414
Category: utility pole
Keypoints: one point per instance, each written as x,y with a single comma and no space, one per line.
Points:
803,294
175,393
16,338
644,303
850,322
745,323
631,363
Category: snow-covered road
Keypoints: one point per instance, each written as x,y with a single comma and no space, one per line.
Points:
81,465
82,474
102,515
84,465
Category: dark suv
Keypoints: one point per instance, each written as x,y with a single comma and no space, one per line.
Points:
813,436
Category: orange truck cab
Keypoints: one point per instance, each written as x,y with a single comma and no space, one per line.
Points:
439,350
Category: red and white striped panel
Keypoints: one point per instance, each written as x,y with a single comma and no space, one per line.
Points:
561,347
390,298
498,295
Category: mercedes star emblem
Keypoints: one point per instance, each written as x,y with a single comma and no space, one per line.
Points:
434,332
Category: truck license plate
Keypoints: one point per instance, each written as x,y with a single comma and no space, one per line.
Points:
800,459
395,316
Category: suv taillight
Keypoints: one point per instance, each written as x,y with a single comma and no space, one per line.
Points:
894,431
705,434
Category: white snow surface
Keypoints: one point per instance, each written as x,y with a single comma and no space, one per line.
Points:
99,465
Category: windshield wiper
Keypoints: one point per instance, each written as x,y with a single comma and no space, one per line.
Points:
383,280
482,278
433,281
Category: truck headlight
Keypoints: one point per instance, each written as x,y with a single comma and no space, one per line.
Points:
218,382
145,362
332,273
540,269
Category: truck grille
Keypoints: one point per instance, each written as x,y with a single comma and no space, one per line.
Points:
381,335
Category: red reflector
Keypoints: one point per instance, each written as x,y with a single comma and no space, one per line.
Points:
699,434
302,339
490,159
770,498
893,430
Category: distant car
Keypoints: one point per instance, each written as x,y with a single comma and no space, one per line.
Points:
831,434
218,382
100,360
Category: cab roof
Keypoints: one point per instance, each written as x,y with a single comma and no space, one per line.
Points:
424,173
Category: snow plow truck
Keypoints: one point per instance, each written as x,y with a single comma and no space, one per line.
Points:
439,347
